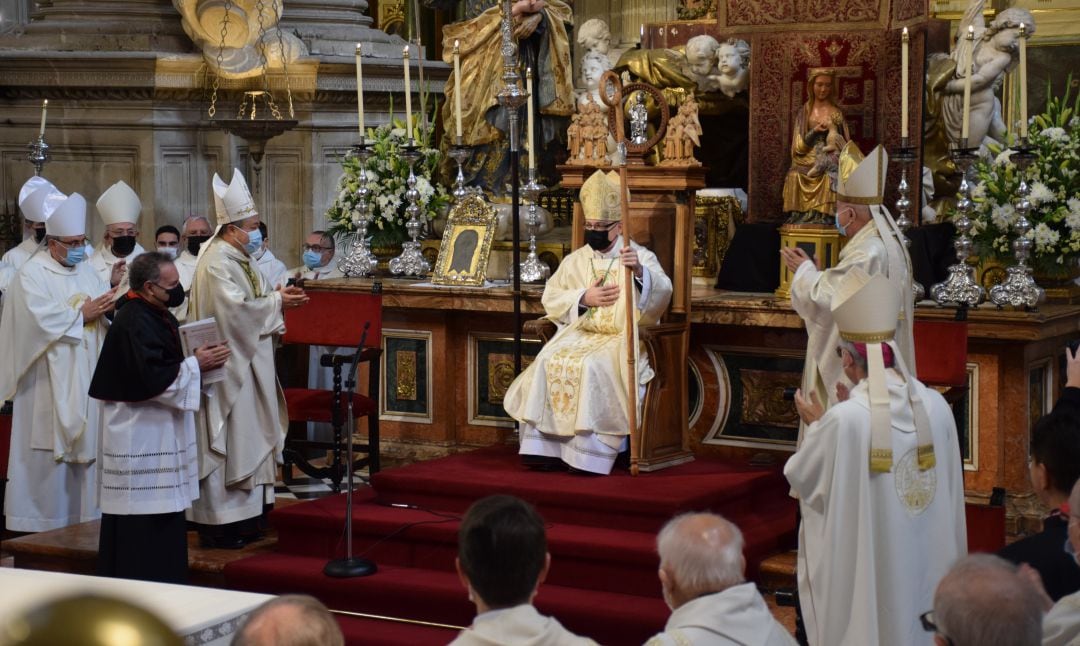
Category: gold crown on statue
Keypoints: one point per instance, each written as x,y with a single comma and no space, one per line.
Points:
820,71
861,180
600,197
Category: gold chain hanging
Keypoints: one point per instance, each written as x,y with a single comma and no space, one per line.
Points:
260,5
284,60
221,48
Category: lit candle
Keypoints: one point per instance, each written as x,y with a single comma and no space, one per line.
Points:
641,35
457,90
408,95
969,67
529,130
360,90
904,40
1023,81
44,109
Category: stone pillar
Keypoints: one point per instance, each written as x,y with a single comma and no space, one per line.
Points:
332,28
103,25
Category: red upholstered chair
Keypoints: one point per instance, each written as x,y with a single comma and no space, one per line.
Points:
336,319
941,356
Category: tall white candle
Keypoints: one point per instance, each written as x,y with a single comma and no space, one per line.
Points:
457,90
529,130
904,40
360,90
1023,81
969,67
408,95
44,109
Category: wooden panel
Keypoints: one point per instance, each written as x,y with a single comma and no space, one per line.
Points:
175,195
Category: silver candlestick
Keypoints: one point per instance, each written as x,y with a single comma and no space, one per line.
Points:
961,287
532,269
1019,288
905,155
39,153
411,261
360,261
460,154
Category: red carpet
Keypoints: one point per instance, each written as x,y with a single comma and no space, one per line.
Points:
601,535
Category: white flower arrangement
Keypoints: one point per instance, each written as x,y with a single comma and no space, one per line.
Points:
1054,181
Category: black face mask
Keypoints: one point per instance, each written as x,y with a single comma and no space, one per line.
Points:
176,296
194,242
39,234
598,240
123,245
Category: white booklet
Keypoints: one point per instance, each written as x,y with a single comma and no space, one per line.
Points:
197,334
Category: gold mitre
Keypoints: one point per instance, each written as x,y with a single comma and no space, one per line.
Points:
861,180
600,197
866,308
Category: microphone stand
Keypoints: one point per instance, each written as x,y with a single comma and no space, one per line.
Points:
351,566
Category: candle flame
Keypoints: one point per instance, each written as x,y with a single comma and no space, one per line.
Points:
45,103
358,48
405,52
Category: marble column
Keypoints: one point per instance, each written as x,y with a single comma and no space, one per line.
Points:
332,28
103,25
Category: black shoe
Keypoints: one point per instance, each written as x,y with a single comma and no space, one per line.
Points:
543,463
622,461
221,542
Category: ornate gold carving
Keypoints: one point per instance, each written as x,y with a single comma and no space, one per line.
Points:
405,384
466,243
500,374
763,400
713,217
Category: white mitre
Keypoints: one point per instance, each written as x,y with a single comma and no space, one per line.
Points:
39,205
232,202
861,180
119,204
69,218
30,186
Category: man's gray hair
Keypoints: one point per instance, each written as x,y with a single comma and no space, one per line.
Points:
195,218
849,347
983,601
701,552
290,620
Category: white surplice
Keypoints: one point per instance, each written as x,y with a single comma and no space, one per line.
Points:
873,546
103,260
273,270
47,358
1061,626
521,625
147,462
737,616
20,253
812,293
572,399
185,266
242,423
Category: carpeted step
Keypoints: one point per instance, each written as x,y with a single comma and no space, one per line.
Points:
643,503
364,631
438,596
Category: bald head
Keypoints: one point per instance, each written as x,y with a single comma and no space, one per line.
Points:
290,620
700,554
983,601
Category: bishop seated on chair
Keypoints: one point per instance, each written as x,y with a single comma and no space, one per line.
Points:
572,400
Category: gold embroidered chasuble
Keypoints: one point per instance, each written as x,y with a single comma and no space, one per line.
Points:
577,384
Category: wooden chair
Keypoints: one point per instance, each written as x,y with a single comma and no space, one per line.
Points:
337,320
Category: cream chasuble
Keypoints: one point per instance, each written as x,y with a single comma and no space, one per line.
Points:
518,625
812,293
103,260
873,546
576,387
47,357
242,423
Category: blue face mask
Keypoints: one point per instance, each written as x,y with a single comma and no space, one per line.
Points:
254,242
75,256
312,259
839,227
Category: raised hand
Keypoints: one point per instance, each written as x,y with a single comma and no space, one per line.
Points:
600,295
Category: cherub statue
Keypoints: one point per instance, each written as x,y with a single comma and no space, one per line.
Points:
692,70
241,56
593,66
595,36
733,57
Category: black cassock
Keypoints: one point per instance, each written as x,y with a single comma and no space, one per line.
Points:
139,360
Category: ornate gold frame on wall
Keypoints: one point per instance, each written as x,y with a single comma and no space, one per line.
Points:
421,383
471,214
476,416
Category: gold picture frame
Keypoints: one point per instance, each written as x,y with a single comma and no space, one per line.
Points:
466,243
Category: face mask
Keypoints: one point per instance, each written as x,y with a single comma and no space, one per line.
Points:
176,296
39,235
312,259
839,227
123,245
75,256
259,254
194,242
598,240
168,251
254,242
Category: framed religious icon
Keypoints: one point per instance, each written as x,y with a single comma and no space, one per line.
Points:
466,243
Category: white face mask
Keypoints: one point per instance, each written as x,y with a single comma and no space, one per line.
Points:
259,254
168,251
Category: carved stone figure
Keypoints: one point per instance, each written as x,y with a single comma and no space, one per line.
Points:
732,57
820,132
683,135
595,36
593,66
241,57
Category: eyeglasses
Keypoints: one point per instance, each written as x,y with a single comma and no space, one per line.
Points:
71,245
316,248
600,226
927,621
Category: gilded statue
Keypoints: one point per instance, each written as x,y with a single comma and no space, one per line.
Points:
241,53
541,29
993,52
819,134
687,70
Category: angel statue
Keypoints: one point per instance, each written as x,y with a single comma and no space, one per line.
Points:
993,52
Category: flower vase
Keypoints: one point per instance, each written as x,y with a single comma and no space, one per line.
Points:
387,244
